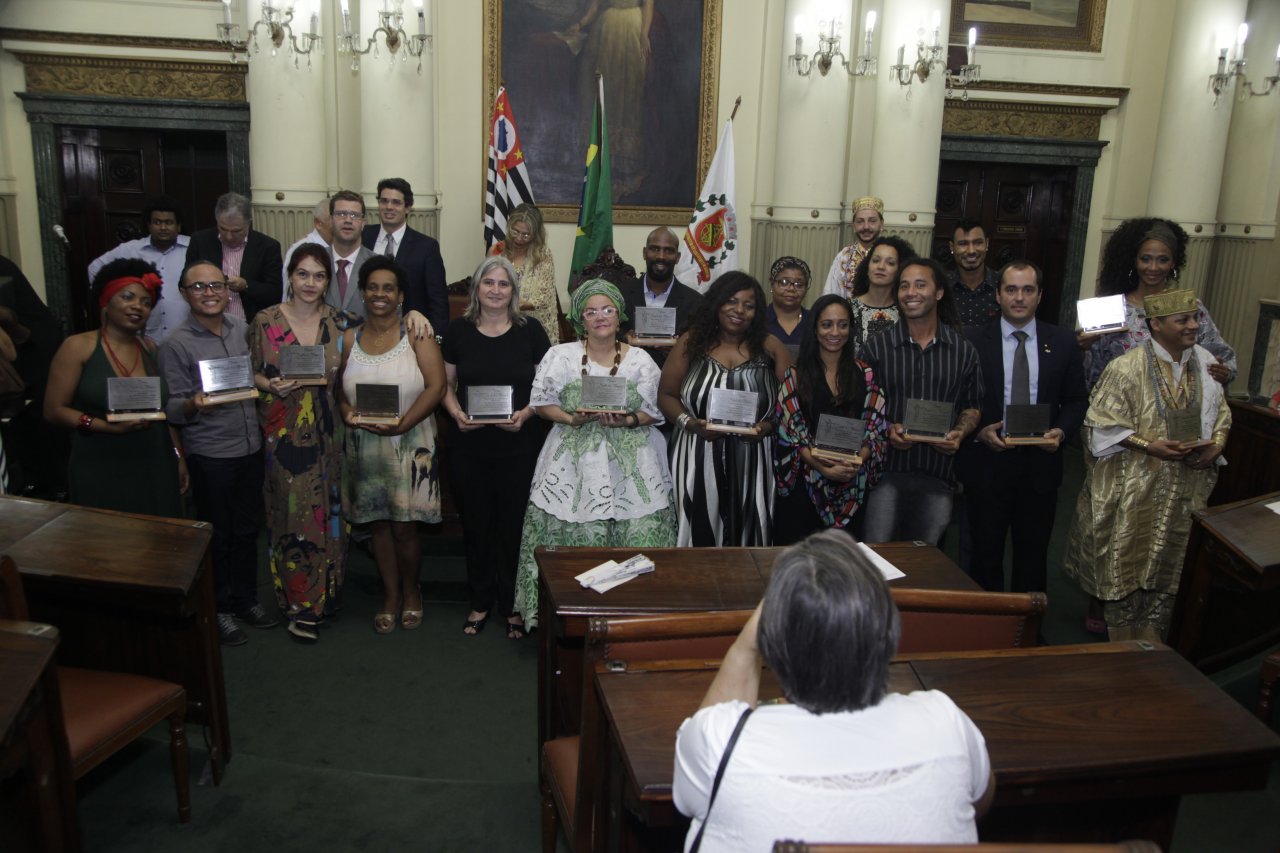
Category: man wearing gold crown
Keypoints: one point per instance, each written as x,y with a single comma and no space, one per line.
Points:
1154,434
868,222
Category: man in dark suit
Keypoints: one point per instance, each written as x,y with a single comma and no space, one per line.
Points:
1016,487
249,259
658,288
417,253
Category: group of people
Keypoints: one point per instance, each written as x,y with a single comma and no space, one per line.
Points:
656,468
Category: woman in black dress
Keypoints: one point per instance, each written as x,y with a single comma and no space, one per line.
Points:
491,464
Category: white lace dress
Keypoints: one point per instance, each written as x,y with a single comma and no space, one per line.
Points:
907,770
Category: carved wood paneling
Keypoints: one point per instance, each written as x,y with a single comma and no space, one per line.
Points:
1004,118
127,77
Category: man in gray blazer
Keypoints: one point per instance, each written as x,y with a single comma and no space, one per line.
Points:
346,209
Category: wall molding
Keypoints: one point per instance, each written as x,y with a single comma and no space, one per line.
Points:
130,77
9,226
1006,118
111,40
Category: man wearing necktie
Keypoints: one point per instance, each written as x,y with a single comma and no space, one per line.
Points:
1010,487
419,255
347,211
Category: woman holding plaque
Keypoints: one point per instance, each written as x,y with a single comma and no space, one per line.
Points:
821,489
294,348
389,470
874,300
724,479
491,354
132,465
1144,257
526,249
601,479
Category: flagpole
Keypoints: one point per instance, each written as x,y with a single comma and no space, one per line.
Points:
736,104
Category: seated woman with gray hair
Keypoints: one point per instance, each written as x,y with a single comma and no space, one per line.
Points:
841,760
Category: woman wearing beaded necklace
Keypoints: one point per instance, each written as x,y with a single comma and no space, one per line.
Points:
131,466
601,479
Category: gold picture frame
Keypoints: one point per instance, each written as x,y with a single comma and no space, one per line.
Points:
1069,25
656,176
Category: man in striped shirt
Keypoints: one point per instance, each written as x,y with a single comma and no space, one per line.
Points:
923,357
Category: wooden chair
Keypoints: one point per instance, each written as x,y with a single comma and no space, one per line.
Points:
106,711
571,772
936,620
1119,847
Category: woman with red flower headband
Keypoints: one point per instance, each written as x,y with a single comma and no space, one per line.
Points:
131,466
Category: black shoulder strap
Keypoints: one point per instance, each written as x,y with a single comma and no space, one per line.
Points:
715,785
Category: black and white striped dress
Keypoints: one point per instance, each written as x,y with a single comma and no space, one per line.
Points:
724,488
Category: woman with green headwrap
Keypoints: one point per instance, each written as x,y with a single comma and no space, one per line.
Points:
602,478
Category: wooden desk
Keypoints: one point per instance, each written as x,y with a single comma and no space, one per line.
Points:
37,792
684,580
1228,605
1125,728
129,593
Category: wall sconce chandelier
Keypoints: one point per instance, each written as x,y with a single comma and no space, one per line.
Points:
391,27
829,48
276,22
927,57
1230,71
966,74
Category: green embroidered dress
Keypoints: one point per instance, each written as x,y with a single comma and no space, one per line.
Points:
595,486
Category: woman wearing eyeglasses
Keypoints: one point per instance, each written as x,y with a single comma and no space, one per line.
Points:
601,478
130,466
526,249
785,317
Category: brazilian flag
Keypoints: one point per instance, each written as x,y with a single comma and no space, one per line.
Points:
595,216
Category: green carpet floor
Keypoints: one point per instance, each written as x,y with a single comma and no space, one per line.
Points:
425,740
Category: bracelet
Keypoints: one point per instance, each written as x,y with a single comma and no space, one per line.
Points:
682,421
1136,442
86,424
635,419
179,452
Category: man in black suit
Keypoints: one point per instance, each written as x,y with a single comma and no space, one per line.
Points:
417,253
1016,487
249,259
659,288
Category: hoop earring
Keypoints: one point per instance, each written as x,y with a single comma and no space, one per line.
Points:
1131,276
1174,274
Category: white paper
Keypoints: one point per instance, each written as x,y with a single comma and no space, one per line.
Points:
611,573
1274,506
887,570
1101,312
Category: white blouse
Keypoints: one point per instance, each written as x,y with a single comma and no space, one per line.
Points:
592,472
907,770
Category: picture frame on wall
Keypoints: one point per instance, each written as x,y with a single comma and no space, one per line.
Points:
1035,24
1264,368
660,97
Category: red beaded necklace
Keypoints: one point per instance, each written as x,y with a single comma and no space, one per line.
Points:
120,368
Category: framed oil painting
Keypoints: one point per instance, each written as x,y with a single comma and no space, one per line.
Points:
1264,370
660,62
1037,24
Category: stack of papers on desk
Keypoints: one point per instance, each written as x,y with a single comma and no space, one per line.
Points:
611,573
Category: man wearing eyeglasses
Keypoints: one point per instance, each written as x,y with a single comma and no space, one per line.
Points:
347,211
250,260
222,445
418,254
658,288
